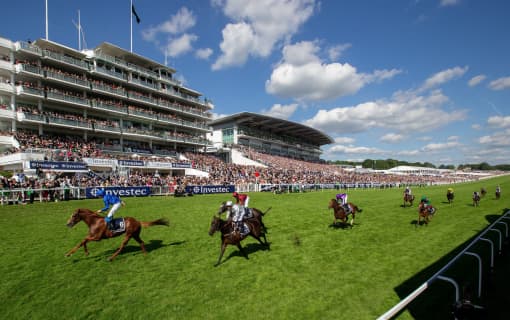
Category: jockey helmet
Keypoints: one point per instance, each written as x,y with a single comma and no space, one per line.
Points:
228,204
234,194
339,196
423,198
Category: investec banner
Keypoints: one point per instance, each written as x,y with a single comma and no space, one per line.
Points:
131,163
210,189
58,165
120,191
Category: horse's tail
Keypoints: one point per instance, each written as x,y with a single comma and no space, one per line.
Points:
159,222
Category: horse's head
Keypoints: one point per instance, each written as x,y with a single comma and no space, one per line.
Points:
215,225
332,204
223,208
75,218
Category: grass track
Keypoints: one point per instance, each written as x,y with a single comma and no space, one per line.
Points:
313,271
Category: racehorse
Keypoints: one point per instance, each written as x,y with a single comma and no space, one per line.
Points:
450,196
483,192
476,200
498,195
340,214
254,213
229,235
408,198
425,213
98,230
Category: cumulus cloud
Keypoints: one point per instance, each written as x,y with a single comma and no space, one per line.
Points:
476,126
442,77
499,122
336,52
204,53
344,140
448,3
432,147
476,80
500,84
341,149
302,75
178,23
392,138
180,45
405,112
498,139
281,111
255,30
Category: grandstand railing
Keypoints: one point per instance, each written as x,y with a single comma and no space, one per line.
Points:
438,275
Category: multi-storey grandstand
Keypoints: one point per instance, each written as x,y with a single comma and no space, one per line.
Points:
73,120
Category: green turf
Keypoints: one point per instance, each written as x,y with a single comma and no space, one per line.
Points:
313,271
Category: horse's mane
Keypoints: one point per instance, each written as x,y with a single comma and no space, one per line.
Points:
88,212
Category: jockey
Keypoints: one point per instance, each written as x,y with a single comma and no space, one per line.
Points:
109,200
407,191
241,199
425,202
498,189
341,199
236,214
449,190
475,194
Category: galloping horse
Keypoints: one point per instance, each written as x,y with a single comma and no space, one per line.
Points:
476,200
408,198
498,194
340,214
450,196
425,213
98,230
483,192
230,236
255,214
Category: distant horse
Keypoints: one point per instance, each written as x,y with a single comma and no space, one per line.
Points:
483,192
498,195
476,200
425,213
253,213
230,236
340,214
98,230
408,198
450,196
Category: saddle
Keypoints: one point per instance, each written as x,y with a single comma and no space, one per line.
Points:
117,225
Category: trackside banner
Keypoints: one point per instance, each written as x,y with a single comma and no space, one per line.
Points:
59,165
210,189
120,191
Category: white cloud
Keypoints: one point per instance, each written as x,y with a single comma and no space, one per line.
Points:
405,112
336,52
499,122
476,80
178,46
392,138
476,126
344,140
443,76
263,28
178,23
500,84
204,53
432,147
301,75
281,111
354,150
447,3
498,139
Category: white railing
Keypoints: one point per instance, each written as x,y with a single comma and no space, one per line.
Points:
437,276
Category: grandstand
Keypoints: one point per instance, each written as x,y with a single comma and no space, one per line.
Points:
107,109
261,133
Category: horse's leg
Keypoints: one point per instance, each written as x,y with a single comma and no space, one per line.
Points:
222,251
124,242
82,243
136,236
352,220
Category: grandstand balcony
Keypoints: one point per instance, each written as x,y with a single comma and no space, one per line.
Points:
28,48
142,71
143,84
62,78
141,114
6,87
119,92
25,68
69,123
6,43
106,128
68,99
6,65
141,98
109,73
183,110
109,107
7,114
29,91
31,117
65,59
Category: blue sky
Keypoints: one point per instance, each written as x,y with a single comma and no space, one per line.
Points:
415,80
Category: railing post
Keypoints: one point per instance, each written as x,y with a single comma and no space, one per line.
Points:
479,271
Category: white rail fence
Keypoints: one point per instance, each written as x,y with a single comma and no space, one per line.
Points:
438,275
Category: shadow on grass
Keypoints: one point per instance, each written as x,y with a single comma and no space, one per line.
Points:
437,301
341,225
248,249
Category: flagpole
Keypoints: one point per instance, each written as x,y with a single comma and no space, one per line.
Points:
131,21
79,31
47,19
